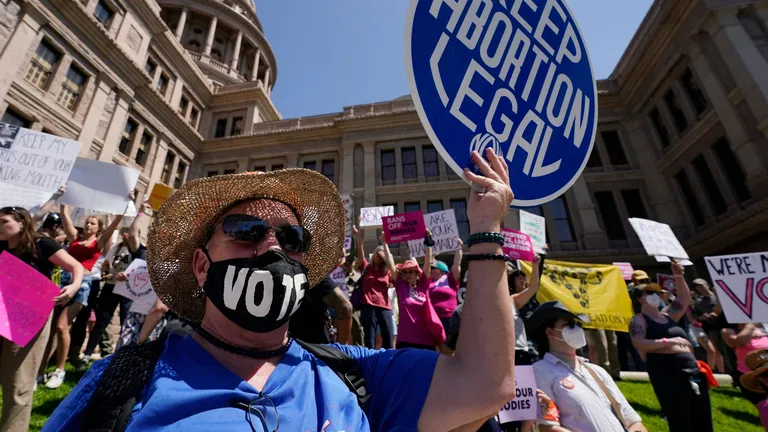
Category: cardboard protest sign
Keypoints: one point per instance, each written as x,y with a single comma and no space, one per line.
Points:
33,165
741,282
26,299
346,201
444,230
597,290
371,216
535,226
658,238
666,282
404,226
661,258
525,404
100,186
626,270
137,287
511,76
160,194
517,245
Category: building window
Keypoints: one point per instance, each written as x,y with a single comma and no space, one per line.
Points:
212,173
11,117
706,178
755,29
732,169
410,170
103,13
162,83
412,207
561,219
144,144
594,159
693,91
434,206
388,169
690,198
658,124
612,221
71,89
183,105
237,126
194,45
633,201
193,115
277,167
459,207
180,172
429,154
150,67
614,147
221,128
167,165
129,133
310,165
229,171
677,113
329,169
42,65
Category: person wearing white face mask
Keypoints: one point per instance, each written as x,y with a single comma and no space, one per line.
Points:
587,398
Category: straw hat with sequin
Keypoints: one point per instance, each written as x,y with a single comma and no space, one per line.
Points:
182,223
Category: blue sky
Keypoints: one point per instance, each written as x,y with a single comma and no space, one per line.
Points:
336,53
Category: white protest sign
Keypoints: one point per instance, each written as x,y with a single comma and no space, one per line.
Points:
658,238
371,216
100,186
17,196
665,259
442,224
349,210
137,287
525,404
535,226
741,282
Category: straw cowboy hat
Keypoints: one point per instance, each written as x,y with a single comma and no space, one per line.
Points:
757,362
186,218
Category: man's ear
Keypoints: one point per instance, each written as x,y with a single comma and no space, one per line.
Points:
200,265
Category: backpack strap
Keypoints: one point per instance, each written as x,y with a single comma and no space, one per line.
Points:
120,387
343,365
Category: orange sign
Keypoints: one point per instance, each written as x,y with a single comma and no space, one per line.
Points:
160,193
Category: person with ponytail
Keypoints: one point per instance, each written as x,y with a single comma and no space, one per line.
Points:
18,365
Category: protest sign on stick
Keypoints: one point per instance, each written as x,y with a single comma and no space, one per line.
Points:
444,230
666,282
658,238
536,228
26,299
741,283
525,404
137,287
371,216
517,245
346,201
404,226
100,186
160,194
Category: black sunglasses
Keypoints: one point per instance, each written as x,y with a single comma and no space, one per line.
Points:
572,324
247,228
16,210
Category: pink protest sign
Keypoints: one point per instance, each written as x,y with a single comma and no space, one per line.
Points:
517,245
626,269
26,299
404,226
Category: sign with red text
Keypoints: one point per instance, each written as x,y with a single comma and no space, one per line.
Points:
404,226
517,245
741,282
666,282
371,216
445,233
26,299
525,404
626,270
137,287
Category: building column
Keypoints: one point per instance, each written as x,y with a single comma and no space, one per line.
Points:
115,128
210,35
250,118
178,88
348,168
174,168
369,194
685,103
266,79
182,23
242,165
594,236
158,161
59,74
17,47
236,52
291,160
420,164
738,136
93,116
255,70
398,165
136,140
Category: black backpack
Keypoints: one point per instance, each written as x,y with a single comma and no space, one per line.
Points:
132,366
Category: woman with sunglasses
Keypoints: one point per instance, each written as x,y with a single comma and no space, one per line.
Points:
19,365
678,380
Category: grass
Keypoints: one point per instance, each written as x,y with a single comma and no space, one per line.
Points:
730,412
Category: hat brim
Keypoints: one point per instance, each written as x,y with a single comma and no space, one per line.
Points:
537,320
185,219
751,380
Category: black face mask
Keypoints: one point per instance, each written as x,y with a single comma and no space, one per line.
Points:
258,294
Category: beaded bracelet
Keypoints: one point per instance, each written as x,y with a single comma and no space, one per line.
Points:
486,237
487,257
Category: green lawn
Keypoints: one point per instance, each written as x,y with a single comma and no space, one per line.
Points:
731,413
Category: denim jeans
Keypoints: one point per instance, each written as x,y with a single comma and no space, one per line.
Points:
375,318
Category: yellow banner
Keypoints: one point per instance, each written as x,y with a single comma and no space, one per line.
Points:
597,290
160,194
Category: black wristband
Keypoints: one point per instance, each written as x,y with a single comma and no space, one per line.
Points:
486,237
487,257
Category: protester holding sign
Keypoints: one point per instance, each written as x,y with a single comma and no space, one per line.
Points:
680,382
522,292
19,364
444,284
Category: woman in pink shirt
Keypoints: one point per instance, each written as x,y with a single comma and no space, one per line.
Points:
444,284
376,311
744,339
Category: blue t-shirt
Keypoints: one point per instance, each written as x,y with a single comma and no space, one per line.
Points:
191,391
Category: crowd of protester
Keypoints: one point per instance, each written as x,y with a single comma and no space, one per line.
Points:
411,309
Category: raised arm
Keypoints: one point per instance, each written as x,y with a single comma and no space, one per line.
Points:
524,296
388,257
134,232
427,255
457,257
66,223
359,240
49,206
480,377
676,310
107,233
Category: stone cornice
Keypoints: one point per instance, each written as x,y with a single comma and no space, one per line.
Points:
169,122
613,176
450,185
244,93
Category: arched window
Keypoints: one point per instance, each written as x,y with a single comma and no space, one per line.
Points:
194,45
216,54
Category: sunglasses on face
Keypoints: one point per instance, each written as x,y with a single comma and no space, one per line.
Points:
647,293
571,324
246,228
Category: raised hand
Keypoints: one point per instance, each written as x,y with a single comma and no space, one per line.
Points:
677,268
487,208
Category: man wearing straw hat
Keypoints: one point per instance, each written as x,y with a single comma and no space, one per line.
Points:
235,254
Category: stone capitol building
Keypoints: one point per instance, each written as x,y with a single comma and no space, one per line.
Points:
180,89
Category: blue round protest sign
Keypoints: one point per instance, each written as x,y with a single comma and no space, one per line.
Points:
511,75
